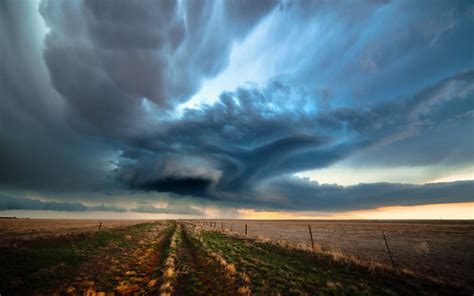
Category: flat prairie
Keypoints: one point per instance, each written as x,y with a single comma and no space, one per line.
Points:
438,248
216,257
15,230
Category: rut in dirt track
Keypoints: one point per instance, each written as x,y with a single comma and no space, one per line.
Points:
198,274
126,268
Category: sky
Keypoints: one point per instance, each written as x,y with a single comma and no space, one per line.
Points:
237,109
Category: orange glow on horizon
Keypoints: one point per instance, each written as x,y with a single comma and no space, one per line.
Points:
431,211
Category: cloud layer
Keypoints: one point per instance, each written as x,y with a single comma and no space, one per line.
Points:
22,203
253,135
106,57
89,94
177,209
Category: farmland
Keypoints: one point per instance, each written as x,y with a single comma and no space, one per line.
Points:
435,248
197,258
15,230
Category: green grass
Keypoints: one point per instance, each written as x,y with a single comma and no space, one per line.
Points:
164,251
199,274
277,270
44,263
41,266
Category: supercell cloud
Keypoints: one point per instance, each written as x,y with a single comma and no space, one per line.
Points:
92,96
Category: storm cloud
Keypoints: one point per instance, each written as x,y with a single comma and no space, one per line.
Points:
38,149
255,134
296,193
175,209
92,96
106,57
23,203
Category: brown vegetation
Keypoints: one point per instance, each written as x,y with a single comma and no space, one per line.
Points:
434,248
197,258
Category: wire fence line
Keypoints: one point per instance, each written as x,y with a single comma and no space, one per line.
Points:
436,248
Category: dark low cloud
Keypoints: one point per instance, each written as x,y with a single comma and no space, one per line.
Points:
299,193
257,134
183,185
109,208
23,203
38,149
178,209
106,57
89,108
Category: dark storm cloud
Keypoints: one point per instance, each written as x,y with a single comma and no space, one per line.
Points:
104,57
176,209
256,134
38,151
177,184
22,203
297,194
90,107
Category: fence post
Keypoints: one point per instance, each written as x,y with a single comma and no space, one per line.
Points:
311,236
230,227
100,225
388,249
245,229
222,225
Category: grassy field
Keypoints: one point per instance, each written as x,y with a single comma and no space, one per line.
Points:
432,247
183,258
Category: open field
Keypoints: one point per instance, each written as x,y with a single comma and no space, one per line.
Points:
184,258
14,230
442,249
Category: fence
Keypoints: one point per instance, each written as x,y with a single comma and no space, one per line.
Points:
433,248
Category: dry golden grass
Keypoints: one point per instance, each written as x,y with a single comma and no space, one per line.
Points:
33,228
169,275
432,248
244,291
230,269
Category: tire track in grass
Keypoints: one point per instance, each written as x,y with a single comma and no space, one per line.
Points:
131,265
198,274
274,270
144,276
239,278
49,265
169,274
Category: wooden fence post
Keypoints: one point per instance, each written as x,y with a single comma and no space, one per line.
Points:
222,225
100,225
245,229
388,249
311,236
231,227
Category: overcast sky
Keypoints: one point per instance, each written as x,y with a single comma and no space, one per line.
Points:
190,107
